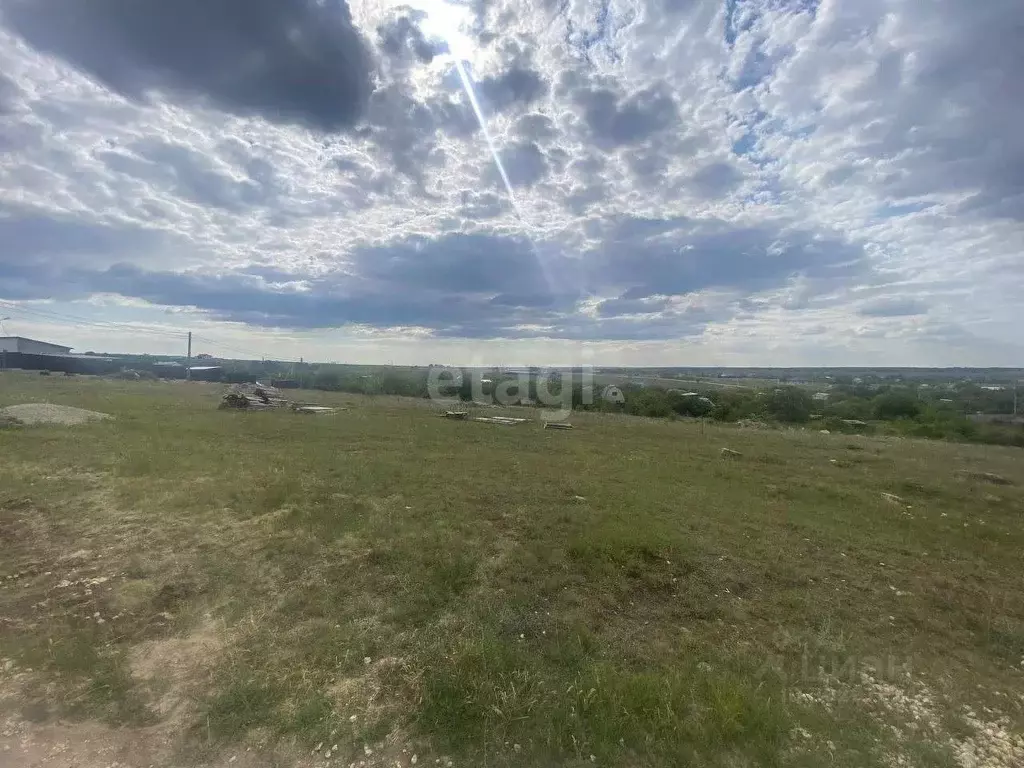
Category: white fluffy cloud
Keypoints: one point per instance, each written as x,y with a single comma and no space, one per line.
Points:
681,181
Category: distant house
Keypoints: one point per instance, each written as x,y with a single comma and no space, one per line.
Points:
204,356
613,394
820,396
21,345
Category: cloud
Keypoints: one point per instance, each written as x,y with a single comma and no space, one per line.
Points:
517,85
716,180
9,93
284,60
894,307
535,127
931,89
31,237
524,163
820,179
653,305
192,176
46,257
614,122
472,285
657,257
402,39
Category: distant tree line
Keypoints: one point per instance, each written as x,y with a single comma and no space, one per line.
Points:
935,410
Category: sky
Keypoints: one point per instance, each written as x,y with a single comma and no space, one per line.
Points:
549,182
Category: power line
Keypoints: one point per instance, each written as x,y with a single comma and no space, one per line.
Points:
231,348
111,325
102,324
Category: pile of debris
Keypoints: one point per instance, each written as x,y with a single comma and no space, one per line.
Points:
253,396
260,396
506,421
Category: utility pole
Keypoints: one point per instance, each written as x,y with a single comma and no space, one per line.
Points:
188,365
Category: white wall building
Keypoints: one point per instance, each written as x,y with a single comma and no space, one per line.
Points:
30,346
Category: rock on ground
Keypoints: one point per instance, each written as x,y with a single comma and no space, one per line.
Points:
47,413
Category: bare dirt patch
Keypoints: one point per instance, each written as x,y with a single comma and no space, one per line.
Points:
47,413
172,669
84,745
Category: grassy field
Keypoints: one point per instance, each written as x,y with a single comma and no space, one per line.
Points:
187,586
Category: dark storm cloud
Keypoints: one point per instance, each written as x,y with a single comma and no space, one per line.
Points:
41,253
448,285
29,236
517,86
615,122
652,257
472,285
285,60
455,263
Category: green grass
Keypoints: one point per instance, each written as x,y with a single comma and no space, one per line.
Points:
385,579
